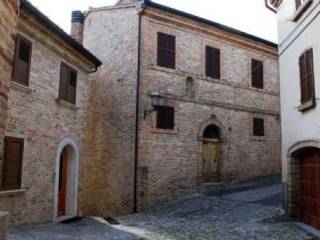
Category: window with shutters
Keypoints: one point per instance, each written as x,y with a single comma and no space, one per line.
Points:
257,73
12,167
22,60
165,117
68,83
212,62
258,127
306,77
166,50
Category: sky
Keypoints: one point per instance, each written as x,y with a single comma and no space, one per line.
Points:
250,16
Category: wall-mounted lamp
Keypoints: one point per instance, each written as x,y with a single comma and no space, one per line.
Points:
155,101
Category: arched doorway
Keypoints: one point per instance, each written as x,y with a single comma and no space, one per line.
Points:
66,181
304,182
211,154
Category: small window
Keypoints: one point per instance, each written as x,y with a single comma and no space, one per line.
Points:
306,76
22,61
166,50
257,73
212,62
68,84
190,91
12,168
258,127
165,117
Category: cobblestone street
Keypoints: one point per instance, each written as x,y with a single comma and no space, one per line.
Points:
242,215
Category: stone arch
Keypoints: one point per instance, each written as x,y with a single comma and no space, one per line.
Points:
214,122
70,146
293,190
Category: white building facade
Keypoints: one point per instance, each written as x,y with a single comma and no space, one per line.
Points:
299,51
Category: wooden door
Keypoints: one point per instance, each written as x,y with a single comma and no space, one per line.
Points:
310,188
63,183
210,161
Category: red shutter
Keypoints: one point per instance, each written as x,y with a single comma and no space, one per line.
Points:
13,155
22,62
213,62
166,50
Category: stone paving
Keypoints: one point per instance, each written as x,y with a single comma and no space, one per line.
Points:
234,216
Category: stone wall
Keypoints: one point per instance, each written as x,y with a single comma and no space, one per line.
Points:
111,34
170,161
4,219
8,22
36,115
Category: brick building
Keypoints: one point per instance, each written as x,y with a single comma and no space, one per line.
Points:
208,105
46,114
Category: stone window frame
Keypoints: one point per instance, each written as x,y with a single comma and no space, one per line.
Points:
252,136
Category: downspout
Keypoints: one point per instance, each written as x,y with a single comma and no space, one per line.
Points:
135,184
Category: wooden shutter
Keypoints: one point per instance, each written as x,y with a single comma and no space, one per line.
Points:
257,73
166,50
13,155
64,79
258,127
306,76
212,62
68,83
22,60
165,117
72,86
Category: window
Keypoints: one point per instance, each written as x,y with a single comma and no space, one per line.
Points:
190,88
22,61
166,50
258,127
165,117
212,62
306,76
68,84
257,73
13,156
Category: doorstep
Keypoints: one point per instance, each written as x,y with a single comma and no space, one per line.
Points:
315,232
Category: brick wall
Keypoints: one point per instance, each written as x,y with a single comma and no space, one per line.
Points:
111,34
8,22
35,114
170,162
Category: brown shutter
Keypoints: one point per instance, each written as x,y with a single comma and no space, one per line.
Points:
165,117
166,50
306,76
63,86
22,62
212,62
72,86
257,73
13,155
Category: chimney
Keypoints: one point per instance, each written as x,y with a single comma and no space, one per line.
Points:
77,26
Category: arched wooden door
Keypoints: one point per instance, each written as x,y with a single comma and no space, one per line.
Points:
310,187
211,154
63,176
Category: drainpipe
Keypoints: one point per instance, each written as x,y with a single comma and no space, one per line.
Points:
135,184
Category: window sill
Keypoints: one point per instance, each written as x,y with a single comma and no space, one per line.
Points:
66,104
12,193
307,105
20,87
301,10
165,131
258,138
